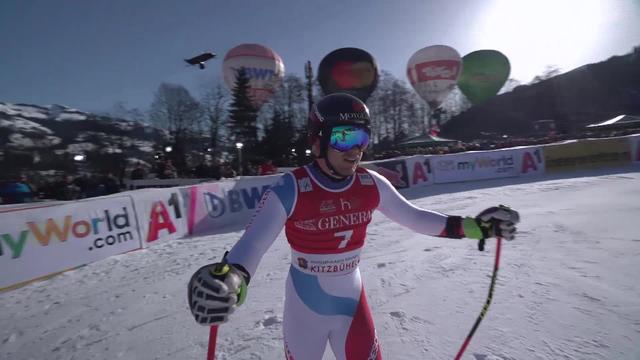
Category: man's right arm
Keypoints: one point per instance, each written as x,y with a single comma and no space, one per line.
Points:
265,225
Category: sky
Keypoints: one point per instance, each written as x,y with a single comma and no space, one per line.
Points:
91,54
567,287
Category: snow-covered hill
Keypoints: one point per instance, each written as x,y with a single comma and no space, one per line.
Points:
567,288
54,130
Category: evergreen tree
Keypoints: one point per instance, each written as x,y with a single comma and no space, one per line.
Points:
242,114
279,139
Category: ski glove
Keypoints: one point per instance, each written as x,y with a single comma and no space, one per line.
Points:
496,221
215,291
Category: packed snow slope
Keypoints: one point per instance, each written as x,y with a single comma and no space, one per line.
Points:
568,286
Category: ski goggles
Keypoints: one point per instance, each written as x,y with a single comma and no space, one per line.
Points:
346,137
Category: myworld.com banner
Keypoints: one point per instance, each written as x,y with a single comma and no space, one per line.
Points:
36,242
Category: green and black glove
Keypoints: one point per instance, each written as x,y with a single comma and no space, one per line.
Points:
496,221
215,291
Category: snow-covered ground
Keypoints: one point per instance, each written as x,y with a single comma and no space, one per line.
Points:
568,287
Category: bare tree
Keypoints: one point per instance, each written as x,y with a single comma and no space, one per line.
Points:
214,103
509,85
549,72
122,111
453,105
394,113
174,109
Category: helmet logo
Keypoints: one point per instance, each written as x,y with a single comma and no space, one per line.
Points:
353,116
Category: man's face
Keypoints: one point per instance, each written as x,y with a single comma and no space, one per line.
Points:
345,162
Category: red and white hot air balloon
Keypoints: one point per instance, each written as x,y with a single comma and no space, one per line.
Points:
263,66
433,72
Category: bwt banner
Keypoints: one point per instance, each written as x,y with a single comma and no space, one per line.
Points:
475,166
161,213
221,206
41,241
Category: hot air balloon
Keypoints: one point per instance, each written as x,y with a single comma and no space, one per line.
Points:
433,72
484,72
348,70
263,66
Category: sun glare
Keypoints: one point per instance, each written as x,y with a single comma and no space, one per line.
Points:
534,34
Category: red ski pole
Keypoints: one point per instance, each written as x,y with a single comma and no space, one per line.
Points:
213,336
485,308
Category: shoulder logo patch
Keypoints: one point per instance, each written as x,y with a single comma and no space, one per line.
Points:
365,179
305,184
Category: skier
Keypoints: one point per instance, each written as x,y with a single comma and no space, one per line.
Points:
325,208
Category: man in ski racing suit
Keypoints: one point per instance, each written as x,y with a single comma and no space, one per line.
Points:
325,208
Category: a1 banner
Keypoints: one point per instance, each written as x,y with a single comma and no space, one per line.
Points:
394,170
37,242
162,214
419,168
529,161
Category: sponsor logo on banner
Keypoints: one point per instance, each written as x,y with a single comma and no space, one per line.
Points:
108,229
160,220
232,200
303,263
419,170
531,161
505,163
445,165
41,241
395,171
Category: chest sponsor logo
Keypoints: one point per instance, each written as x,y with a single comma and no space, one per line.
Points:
327,206
305,225
335,222
328,266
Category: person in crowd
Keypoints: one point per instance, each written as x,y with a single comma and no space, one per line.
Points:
169,170
267,168
67,189
111,183
138,173
18,191
227,171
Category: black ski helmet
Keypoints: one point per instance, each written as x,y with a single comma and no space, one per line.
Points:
335,110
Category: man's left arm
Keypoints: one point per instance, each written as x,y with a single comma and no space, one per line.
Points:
494,221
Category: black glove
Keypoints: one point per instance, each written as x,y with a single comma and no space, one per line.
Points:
215,291
496,221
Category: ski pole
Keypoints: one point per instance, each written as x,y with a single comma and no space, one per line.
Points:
485,308
213,335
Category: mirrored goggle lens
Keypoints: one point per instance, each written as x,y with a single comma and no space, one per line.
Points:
344,138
